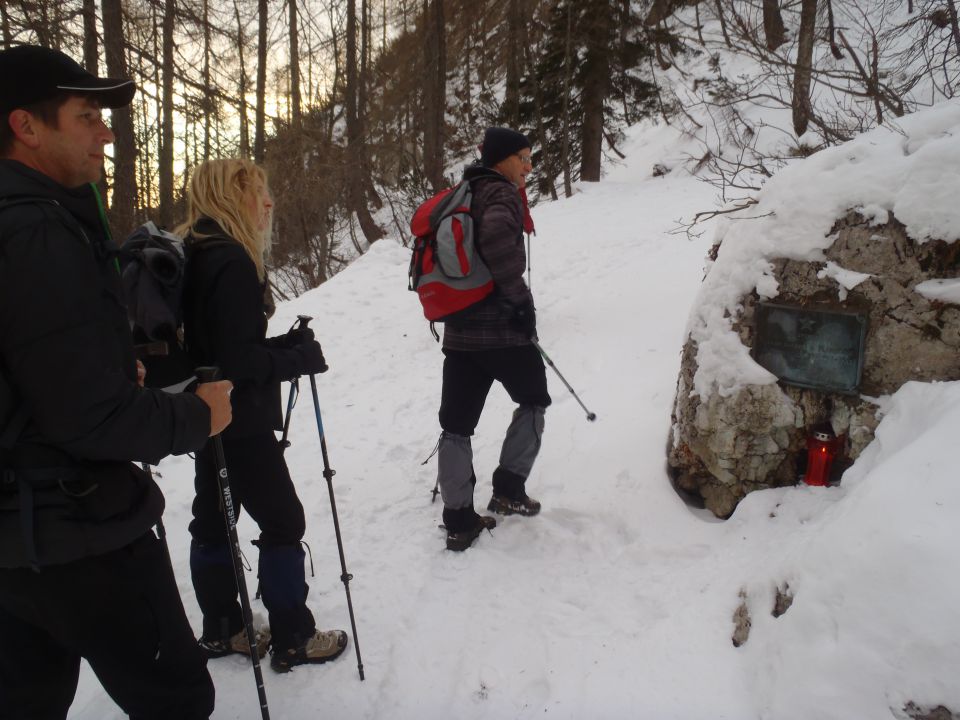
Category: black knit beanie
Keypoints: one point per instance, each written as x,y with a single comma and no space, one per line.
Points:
500,143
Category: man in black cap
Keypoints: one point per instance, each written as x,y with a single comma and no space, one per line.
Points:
493,342
81,572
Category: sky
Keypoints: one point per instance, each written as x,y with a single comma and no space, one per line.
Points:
617,601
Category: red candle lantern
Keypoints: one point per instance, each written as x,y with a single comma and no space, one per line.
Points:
822,447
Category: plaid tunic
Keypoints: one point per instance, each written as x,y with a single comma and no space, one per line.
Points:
498,214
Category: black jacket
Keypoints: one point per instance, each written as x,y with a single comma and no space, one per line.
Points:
225,324
66,360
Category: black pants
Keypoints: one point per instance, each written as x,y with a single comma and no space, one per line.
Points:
260,483
121,612
468,377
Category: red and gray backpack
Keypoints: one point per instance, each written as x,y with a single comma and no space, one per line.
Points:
446,270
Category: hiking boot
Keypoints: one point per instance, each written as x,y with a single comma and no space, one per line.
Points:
525,505
460,541
235,644
322,646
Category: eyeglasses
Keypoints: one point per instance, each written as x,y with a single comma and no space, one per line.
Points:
525,159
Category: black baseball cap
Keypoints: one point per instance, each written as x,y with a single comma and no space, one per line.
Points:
31,74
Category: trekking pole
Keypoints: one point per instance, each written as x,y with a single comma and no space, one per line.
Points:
204,375
302,321
291,401
590,416
345,577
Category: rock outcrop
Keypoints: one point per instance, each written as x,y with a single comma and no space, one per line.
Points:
724,446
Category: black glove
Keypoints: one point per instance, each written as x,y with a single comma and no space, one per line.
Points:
290,339
298,336
524,319
310,360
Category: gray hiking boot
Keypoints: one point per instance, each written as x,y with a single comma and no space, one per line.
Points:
321,647
215,648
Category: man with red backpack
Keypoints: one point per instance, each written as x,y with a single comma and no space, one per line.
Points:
493,342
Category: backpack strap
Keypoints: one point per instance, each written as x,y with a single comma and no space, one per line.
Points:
9,202
18,421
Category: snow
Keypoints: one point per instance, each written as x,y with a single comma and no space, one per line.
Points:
943,290
617,600
846,279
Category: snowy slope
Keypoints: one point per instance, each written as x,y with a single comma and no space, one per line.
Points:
616,602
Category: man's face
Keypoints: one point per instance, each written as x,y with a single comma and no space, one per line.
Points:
72,152
516,167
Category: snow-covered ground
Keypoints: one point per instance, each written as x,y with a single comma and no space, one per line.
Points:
617,600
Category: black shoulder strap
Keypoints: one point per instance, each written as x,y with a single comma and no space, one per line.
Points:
193,245
9,202
10,433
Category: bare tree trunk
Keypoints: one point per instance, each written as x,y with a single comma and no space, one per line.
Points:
832,31
723,24
595,87
90,51
356,199
435,92
467,61
773,27
567,72
351,89
91,56
804,69
155,112
623,20
954,24
165,155
295,110
242,87
511,101
207,98
259,143
124,200
363,107
364,76
337,68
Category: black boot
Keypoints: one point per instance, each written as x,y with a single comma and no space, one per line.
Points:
510,495
464,526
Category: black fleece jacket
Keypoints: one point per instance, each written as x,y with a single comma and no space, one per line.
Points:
225,324
66,359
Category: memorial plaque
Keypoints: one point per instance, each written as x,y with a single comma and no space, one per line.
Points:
811,348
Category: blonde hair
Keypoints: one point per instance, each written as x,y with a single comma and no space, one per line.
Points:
219,190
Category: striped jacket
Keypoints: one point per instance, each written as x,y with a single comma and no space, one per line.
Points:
498,214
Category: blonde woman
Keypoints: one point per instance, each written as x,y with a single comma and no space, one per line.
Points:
226,301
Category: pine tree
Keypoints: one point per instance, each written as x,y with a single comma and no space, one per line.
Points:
591,54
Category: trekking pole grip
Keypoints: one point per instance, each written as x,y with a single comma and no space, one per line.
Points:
304,320
208,373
